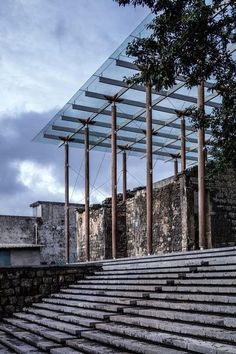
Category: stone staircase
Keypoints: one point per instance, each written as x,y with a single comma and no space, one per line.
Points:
176,303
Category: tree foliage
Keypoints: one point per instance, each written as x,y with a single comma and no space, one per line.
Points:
191,38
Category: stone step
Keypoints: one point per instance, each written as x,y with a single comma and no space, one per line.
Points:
5,350
190,282
82,321
199,318
231,260
85,304
124,293
87,313
216,299
94,347
217,252
177,275
183,306
114,287
52,323
171,270
198,289
65,350
133,345
17,345
57,336
175,341
171,326
35,340
102,299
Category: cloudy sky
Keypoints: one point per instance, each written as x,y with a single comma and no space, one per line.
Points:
48,49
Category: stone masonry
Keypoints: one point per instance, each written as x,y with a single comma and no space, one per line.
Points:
175,218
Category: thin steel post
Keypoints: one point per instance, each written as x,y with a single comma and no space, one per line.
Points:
114,181
201,173
149,188
67,226
183,145
124,155
176,171
86,188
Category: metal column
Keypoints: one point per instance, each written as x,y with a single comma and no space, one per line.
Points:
149,188
67,226
176,171
124,156
201,172
114,180
183,145
86,188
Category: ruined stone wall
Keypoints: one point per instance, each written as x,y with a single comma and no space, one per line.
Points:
223,209
51,233
21,286
167,220
100,231
17,229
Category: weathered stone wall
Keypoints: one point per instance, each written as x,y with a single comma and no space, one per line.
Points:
175,217
51,233
17,229
45,228
100,231
22,286
223,209
167,220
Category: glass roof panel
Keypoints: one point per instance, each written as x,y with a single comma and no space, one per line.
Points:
90,103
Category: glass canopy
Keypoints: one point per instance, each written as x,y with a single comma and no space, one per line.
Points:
90,102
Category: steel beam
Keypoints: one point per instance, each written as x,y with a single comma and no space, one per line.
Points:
201,173
149,168
67,225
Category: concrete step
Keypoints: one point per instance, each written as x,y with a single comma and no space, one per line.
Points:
190,282
81,321
216,299
35,340
170,270
65,350
176,327
175,341
169,263
198,289
93,292
57,336
18,346
184,306
102,299
211,253
85,304
177,275
114,287
52,323
199,318
94,347
134,346
5,350
87,313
